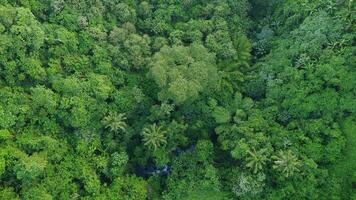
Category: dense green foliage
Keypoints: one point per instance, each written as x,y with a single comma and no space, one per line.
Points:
177,100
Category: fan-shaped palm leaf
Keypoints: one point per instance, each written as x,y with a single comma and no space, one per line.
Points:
154,136
286,162
256,160
115,122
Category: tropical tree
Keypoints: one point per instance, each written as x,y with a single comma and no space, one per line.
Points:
286,162
29,168
256,160
115,122
184,73
248,185
154,136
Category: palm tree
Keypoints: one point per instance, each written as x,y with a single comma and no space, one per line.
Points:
286,162
154,136
256,160
115,122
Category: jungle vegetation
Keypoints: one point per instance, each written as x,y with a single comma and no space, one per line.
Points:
177,99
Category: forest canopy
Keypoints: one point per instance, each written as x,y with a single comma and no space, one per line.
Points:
177,100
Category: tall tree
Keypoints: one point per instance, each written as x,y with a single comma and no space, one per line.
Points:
183,73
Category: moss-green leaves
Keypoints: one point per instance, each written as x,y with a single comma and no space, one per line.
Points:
221,115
